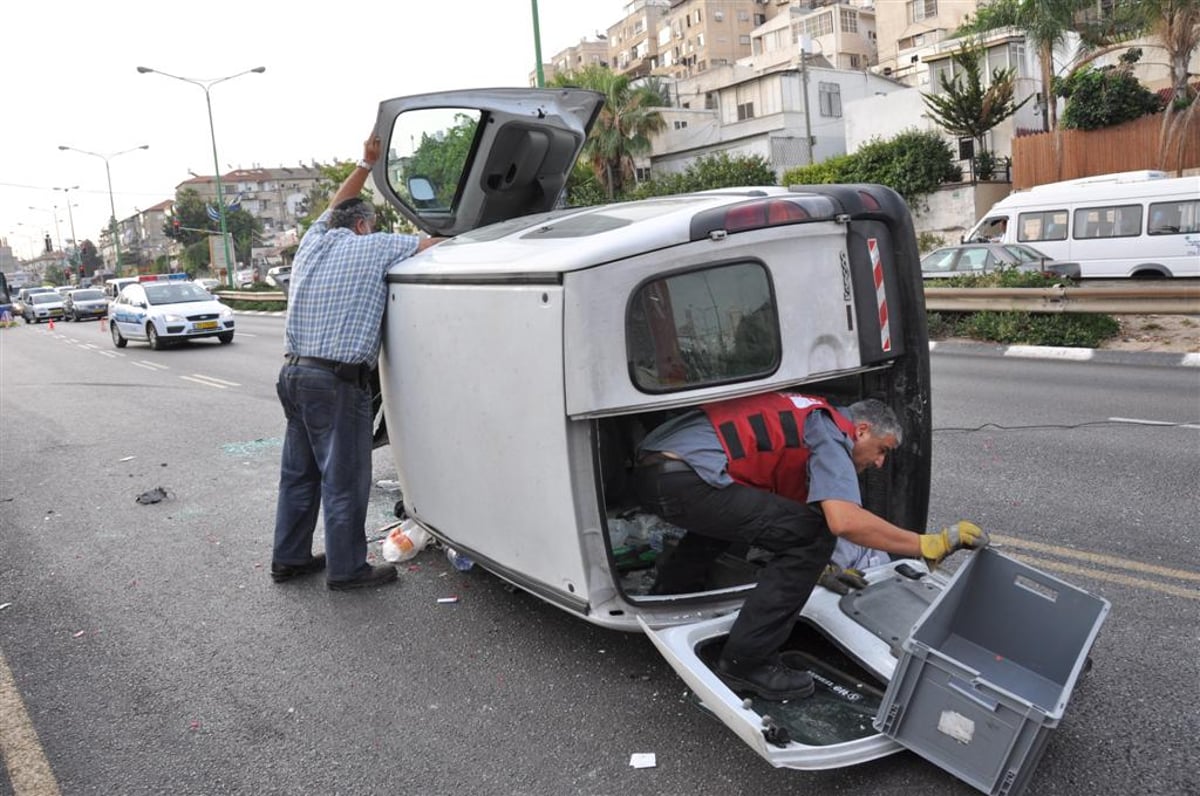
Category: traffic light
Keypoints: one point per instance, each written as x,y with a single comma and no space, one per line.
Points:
175,227
49,245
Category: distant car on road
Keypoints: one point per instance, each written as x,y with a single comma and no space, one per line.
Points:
23,297
982,258
166,311
87,302
46,306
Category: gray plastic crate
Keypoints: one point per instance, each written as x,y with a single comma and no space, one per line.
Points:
988,670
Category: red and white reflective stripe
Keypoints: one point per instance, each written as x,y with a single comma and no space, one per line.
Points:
885,332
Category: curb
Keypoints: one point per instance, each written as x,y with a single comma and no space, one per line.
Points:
1065,354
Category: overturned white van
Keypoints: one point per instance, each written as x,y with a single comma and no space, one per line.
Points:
524,360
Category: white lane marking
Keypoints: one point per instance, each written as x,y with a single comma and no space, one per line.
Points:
1140,422
246,334
143,365
210,381
1050,352
154,365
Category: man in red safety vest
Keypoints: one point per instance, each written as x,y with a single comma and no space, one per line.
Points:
778,471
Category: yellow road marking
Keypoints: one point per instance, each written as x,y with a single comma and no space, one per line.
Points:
1112,577
1097,558
28,770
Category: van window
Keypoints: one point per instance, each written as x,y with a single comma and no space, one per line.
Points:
1042,225
1174,218
1119,221
702,327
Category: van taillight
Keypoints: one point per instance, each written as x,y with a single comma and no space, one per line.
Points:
869,201
763,214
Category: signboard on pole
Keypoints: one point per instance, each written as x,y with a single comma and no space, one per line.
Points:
216,254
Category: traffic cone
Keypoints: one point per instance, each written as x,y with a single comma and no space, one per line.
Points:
52,324
103,324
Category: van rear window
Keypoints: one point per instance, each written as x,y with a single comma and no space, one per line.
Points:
708,326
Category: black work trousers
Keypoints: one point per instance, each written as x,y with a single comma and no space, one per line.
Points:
716,518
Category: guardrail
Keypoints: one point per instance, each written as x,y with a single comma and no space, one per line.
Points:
1161,299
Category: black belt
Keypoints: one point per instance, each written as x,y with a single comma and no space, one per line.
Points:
661,463
358,373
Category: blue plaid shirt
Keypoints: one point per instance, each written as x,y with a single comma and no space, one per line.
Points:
338,292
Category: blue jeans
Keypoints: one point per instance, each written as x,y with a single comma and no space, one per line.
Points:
326,463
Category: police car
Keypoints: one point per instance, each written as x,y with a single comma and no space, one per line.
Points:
165,310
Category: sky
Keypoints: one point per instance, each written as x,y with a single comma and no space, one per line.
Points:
68,72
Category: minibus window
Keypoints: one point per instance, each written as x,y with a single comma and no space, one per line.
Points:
1123,221
708,326
1174,218
1042,225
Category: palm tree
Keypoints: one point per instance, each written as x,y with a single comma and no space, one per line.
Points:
624,126
1175,24
965,108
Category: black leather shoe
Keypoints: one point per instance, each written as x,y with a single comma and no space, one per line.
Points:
770,679
374,576
282,572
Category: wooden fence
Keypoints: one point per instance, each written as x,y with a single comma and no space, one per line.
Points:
1083,153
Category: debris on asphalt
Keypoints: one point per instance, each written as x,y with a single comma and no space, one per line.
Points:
448,599
155,495
79,634
127,459
643,760
4,605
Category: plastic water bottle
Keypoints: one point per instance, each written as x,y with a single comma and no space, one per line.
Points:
460,561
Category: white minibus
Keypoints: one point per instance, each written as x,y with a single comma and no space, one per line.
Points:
1137,223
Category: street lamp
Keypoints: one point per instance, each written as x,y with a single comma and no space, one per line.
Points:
54,212
112,224
206,85
70,215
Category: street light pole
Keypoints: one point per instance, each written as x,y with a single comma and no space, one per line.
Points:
71,216
112,222
54,212
206,85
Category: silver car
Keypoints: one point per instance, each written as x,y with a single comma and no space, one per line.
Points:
88,302
43,307
983,258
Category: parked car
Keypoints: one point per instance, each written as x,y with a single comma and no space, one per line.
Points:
88,302
44,306
981,258
279,277
166,311
208,284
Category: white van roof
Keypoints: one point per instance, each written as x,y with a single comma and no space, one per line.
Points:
1116,177
1103,188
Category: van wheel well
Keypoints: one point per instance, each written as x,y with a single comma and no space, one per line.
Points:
1150,272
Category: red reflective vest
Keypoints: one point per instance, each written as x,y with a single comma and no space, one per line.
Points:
763,438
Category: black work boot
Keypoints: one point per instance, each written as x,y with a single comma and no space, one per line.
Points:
769,678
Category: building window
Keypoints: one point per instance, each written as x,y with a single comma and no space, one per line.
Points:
743,16
831,99
745,110
849,20
709,326
919,10
743,40
680,124
819,25
856,61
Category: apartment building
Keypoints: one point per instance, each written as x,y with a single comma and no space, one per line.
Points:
633,41
840,34
909,29
698,35
276,196
576,58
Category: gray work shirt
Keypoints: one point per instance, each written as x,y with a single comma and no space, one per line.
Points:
831,473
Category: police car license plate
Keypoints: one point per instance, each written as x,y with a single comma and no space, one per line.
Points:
206,325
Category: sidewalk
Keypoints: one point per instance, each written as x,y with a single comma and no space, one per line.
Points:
1064,354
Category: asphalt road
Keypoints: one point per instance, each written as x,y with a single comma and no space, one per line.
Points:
152,654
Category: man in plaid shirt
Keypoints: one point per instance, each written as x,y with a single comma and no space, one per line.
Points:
336,300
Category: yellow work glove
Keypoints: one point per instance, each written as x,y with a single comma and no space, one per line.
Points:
936,546
841,581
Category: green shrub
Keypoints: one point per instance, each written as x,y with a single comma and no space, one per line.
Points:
827,172
928,241
1030,328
